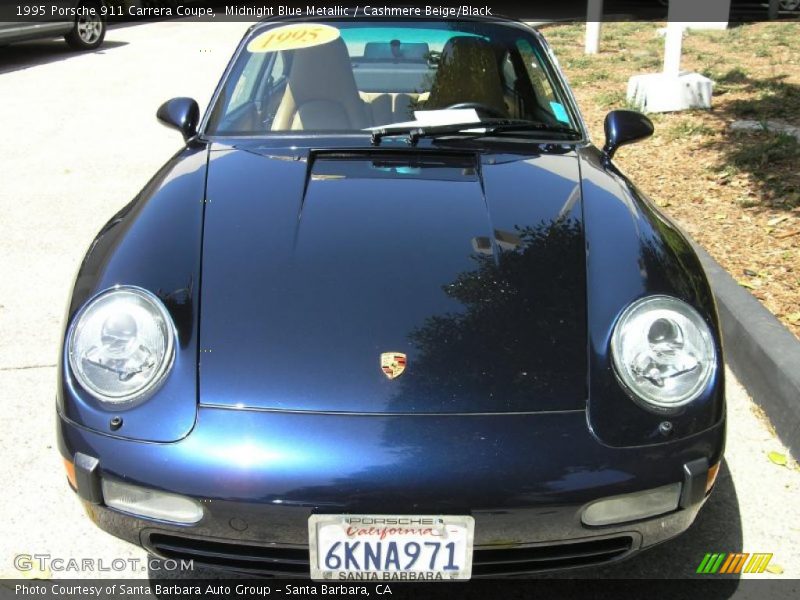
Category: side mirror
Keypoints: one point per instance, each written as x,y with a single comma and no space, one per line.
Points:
625,127
182,114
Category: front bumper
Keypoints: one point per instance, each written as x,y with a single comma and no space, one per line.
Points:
524,478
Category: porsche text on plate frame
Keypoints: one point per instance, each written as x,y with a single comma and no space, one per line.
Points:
385,547
420,293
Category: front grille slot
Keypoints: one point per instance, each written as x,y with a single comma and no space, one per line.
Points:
294,561
492,562
239,556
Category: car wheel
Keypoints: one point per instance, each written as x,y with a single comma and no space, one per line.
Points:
88,32
789,4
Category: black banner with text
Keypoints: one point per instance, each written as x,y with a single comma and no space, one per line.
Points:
530,10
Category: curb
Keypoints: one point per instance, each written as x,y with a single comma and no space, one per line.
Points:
763,354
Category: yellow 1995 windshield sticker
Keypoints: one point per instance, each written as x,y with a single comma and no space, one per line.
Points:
293,37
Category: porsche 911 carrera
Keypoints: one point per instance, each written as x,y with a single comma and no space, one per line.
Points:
390,314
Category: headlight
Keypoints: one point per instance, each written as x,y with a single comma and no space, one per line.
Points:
121,345
663,351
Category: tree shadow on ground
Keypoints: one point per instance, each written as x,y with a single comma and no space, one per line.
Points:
24,55
769,158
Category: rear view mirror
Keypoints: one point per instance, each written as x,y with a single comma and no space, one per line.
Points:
625,127
182,114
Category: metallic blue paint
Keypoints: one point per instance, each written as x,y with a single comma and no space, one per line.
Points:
290,263
346,260
524,477
634,251
153,243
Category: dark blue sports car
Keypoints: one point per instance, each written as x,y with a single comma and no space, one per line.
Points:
389,314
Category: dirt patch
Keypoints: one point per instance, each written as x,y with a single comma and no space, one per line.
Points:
736,192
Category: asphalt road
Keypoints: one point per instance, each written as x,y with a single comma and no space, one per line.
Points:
79,139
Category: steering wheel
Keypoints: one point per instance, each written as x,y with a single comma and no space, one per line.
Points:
478,106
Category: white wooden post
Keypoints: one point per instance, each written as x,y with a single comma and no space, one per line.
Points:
594,16
672,89
673,44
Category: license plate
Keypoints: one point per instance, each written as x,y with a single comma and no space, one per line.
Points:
390,547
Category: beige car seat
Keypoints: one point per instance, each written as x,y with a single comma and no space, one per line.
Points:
321,91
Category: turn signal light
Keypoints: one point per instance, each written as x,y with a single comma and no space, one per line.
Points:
712,477
69,466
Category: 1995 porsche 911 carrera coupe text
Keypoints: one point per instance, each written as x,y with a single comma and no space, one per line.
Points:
390,314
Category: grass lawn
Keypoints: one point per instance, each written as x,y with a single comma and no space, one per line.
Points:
736,193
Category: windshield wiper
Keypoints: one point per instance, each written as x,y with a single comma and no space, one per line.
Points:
534,126
486,127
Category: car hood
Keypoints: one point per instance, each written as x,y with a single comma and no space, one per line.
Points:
317,263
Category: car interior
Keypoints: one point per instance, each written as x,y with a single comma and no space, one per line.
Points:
325,88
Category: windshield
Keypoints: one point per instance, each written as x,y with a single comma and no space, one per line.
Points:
353,76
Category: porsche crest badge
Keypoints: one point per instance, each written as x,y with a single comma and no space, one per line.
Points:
393,364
